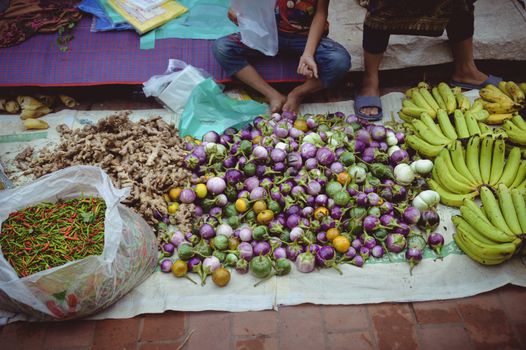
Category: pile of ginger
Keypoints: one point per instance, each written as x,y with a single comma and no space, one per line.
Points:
147,156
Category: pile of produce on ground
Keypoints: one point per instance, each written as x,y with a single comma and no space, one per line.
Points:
459,172
147,156
504,101
31,108
494,233
472,159
47,235
316,190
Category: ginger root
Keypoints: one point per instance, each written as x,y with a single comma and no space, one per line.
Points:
146,156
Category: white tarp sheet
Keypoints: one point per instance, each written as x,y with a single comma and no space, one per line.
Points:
455,276
500,33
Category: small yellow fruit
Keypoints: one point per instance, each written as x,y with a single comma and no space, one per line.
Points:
265,217
341,244
332,233
301,124
201,190
241,205
221,277
172,208
179,268
320,212
259,206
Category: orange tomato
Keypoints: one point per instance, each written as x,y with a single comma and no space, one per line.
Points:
332,233
344,178
174,193
341,244
320,212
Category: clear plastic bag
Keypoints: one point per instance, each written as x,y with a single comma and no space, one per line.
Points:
82,287
257,24
173,87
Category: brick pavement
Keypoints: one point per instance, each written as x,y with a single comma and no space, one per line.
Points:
493,320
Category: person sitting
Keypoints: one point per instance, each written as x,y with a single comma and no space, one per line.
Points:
302,31
413,17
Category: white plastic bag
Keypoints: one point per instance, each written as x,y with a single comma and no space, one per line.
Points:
82,287
173,87
257,24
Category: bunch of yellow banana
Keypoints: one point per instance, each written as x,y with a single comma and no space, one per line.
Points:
459,172
424,99
430,136
492,234
502,101
516,130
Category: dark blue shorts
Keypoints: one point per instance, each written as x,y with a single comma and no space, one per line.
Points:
332,59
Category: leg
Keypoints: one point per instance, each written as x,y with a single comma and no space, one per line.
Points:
251,77
460,33
374,45
371,81
231,55
297,95
333,63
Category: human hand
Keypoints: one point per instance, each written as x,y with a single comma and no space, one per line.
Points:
307,66
232,16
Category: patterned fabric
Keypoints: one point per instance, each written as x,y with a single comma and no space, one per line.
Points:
116,58
429,17
295,16
24,18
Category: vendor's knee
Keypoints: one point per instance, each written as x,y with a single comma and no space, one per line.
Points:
222,48
334,66
341,61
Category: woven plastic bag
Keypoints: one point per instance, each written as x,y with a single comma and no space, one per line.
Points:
209,109
82,287
257,24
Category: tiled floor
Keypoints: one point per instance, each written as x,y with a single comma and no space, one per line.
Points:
493,320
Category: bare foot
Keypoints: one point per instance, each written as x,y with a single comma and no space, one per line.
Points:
370,87
293,103
276,102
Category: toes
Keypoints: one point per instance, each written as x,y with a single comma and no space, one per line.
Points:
369,110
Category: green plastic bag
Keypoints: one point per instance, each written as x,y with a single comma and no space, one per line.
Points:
209,109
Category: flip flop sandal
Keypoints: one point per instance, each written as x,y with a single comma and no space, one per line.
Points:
493,80
368,101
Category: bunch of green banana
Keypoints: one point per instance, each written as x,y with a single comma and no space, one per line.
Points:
430,136
516,130
492,234
502,101
424,99
459,172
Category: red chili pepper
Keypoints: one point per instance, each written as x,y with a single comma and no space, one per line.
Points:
72,300
52,306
